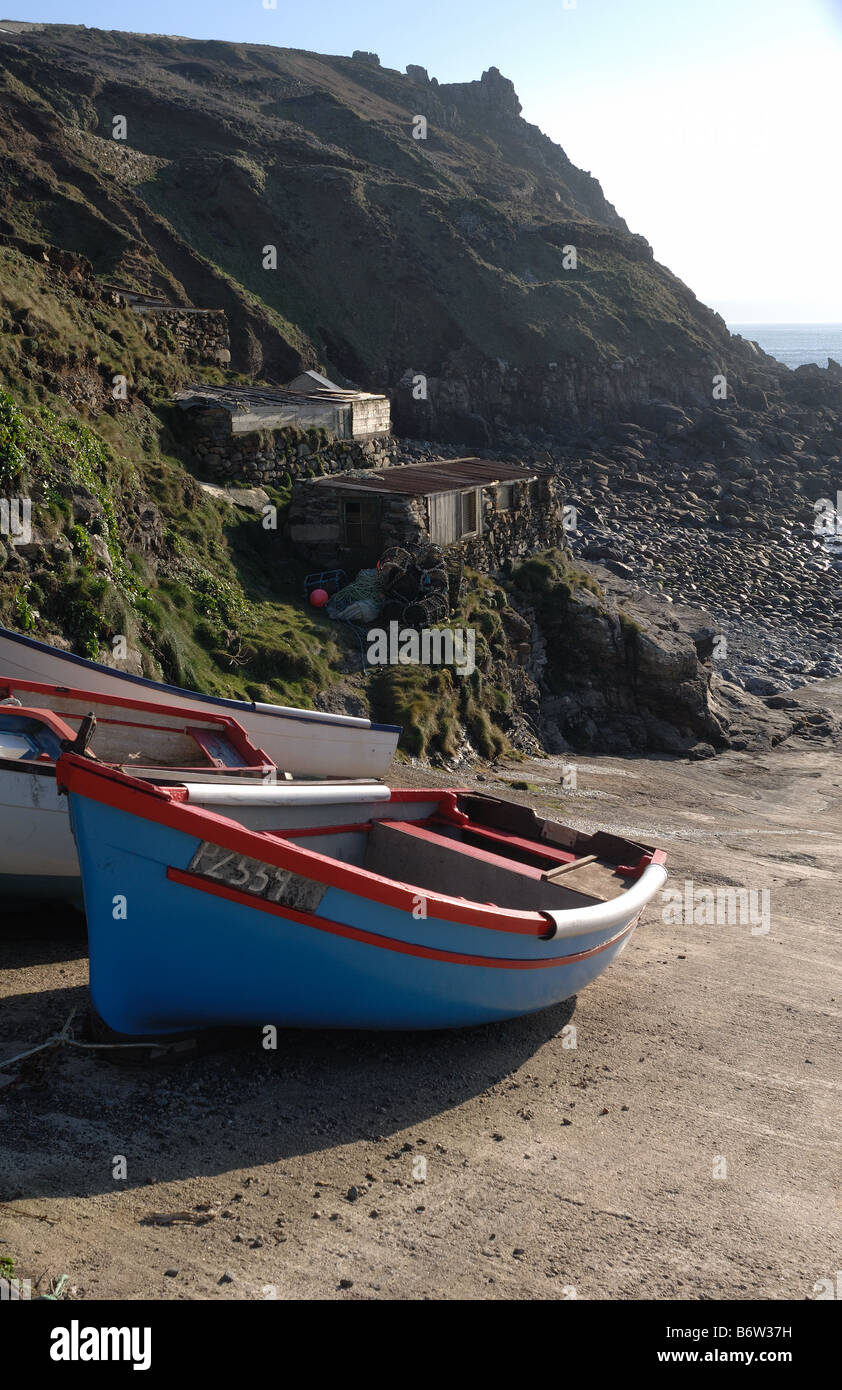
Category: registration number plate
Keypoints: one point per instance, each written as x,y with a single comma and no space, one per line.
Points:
261,880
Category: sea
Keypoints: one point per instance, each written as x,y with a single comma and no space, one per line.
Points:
795,343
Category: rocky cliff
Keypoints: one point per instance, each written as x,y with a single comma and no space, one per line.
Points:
477,256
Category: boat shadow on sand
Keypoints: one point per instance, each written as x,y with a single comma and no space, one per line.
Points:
226,1103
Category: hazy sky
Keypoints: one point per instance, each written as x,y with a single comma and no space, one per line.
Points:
712,125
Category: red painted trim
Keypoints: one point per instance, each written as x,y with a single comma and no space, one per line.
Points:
655,856
386,943
540,848
158,804
51,720
250,756
230,726
430,794
125,793
66,692
71,768
450,810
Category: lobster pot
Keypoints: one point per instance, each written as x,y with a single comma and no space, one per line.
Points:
427,611
435,580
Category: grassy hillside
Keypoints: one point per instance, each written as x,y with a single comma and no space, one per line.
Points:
125,542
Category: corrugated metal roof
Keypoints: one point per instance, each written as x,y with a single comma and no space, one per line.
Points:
440,475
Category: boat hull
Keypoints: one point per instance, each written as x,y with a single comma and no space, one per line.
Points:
171,950
37,854
306,743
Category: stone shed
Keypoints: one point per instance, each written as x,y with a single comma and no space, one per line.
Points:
311,402
260,435
486,511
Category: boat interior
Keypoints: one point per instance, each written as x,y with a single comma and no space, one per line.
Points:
155,744
466,845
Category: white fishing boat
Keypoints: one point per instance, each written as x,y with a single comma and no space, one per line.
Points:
205,758
306,743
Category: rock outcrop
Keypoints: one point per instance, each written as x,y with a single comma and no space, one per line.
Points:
622,673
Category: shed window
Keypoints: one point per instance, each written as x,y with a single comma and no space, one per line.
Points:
361,523
534,494
454,515
469,512
505,497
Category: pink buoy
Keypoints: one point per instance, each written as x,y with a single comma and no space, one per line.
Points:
319,598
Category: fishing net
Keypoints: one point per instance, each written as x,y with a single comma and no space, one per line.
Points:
360,601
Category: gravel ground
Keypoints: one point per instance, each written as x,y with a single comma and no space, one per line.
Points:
687,1146
776,605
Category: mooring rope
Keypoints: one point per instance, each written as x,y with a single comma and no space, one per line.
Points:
63,1039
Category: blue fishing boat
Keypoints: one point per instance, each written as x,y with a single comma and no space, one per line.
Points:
394,909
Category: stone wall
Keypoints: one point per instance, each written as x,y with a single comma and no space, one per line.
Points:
316,533
533,523
275,456
201,335
371,417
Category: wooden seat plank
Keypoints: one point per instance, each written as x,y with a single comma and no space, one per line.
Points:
503,837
